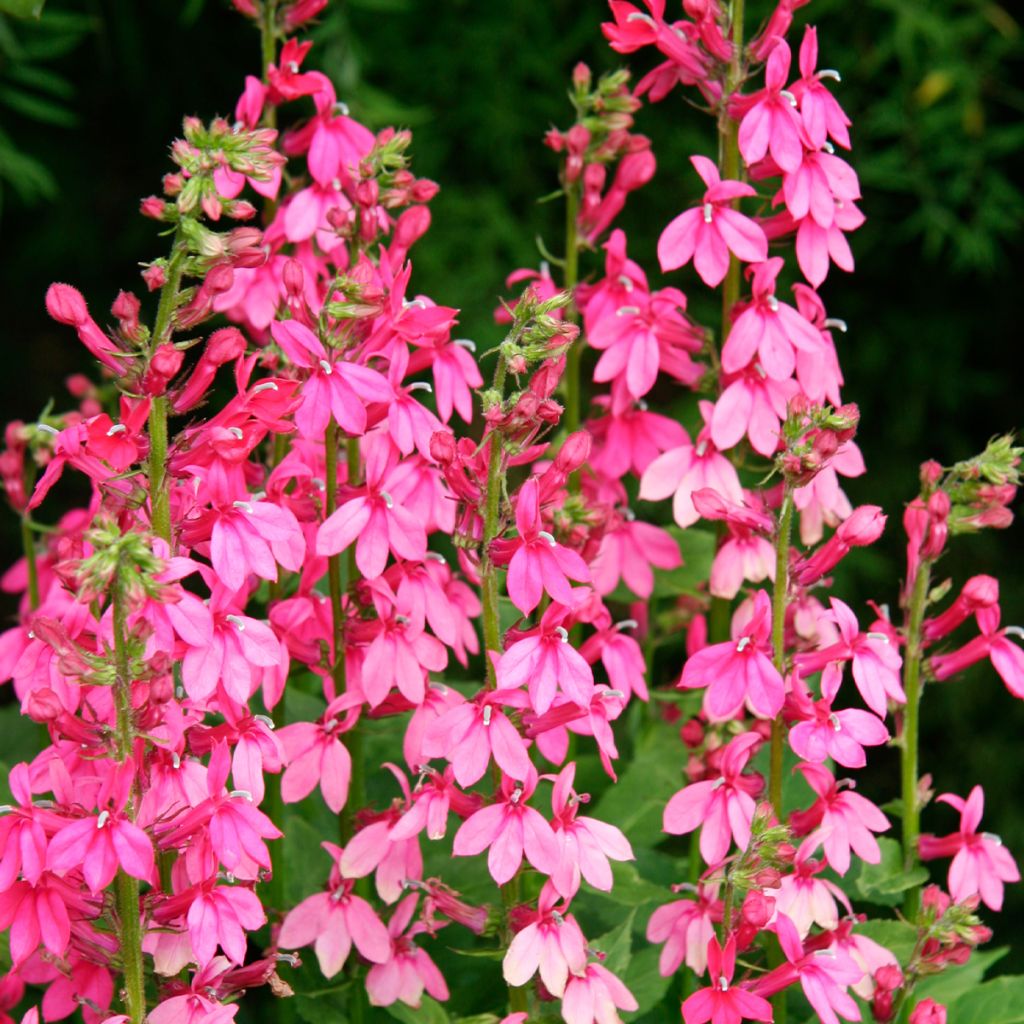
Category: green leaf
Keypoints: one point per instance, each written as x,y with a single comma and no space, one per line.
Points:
698,550
22,8
617,945
430,1011
644,981
631,890
884,882
897,936
996,1002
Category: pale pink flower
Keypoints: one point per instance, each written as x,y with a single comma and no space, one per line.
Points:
708,233
981,864
509,829
806,900
551,943
316,757
254,537
686,927
723,808
594,996
629,552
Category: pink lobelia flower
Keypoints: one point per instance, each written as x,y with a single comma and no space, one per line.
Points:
254,537
1007,657
193,1008
594,996
708,233
820,732
752,404
537,563
772,124
39,913
723,808
688,468
551,942
316,756
331,922
509,829
805,899
628,552
334,386
373,520
22,833
820,112
723,1002
221,915
770,330
686,927
586,843
980,861
839,819
547,663
739,671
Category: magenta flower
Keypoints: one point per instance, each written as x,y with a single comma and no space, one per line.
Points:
821,114
22,833
334,386
547,663
772,124
840,820
752,405
805,899
739,672
537,563
550,943
254,537
771,330
220,915
820,732
373,520
980,861
723,1002
508,830
39,913
1007,657
723,808
628,553
316,757
708,233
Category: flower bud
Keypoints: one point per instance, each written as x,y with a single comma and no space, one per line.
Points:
442,447
153,207
581,77
155,277
692,733
757,908
862,527
66,305
928,1012
224,345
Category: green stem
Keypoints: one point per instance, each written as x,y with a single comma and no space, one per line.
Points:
912,685
159,494
779,595
334,561
129,931
29,546
268,37
570,280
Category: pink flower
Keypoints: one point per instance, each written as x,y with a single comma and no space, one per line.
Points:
537,563
586,844
191,1009
628,552
1007,657
688,468
316,757
820,732
220,915
686,927
980,861
768,329
546,662
819,111
708,233
723,1002
594,996
771,124
551,943
39,913
331,922
723,808
739,672
806,900
254,537
928,1012
840,820
374,520
508,830
754,405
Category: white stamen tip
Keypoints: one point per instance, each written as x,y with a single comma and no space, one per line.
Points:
421,385
743,643
992,838
102,819
640,16
627,624
626,282
237,621
325,366
46,428
547,536
117,428
829,73
388,500
267,385
709,213
293,67
265,719
434,556
628,311
833,720
834,323
245,506
884,637
236,433
1017,631
829,148
469,346
773,303
341,108
563,633
723,984
488,711
789,97
243,794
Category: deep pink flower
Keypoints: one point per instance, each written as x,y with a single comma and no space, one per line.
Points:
739,672
771,123
723,1002
821,732
316,757
980,861
819,111
708,233
220,915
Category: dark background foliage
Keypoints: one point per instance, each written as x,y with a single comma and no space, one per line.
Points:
92,94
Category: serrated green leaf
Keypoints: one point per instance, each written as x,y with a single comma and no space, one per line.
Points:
697,548
954,981
883,883
995,1002
896,936
22,8
617,945
644,980
430,1011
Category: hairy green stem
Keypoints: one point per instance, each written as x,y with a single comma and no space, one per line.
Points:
129,931
912,685
28,543
779,594
570,279
159,494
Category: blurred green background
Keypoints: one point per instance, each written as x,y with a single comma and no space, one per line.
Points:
92,94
